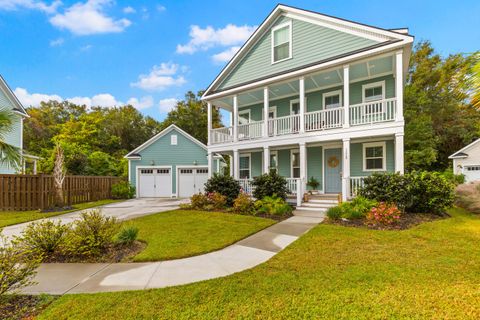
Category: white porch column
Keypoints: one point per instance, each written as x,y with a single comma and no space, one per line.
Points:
209,122
302,103
266,159
303,168
210,164
399,84
236,164
346,96
235,118
265,111
230,159
346,169
399,158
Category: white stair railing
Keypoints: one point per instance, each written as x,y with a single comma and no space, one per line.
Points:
246,185
324,119
372,112
356,183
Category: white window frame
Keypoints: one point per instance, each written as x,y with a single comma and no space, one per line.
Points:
280,26
249,156
330,94
384,155
274,110
291,161
275,153
293,101
247,111
173,140
373,85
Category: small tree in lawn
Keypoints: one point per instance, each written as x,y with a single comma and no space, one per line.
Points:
59,174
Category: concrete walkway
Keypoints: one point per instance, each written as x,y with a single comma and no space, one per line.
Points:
61,278
124,210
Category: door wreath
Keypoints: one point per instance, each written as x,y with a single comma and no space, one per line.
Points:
333,162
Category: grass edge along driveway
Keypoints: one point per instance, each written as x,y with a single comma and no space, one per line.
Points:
334,272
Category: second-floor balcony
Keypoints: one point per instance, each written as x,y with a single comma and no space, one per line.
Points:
359,114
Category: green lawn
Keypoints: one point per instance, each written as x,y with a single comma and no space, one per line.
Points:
183,233
8,218
429,272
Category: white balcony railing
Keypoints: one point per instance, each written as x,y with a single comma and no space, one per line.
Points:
253,130
324,119
246,185
284,125
372,112
356,183
221,135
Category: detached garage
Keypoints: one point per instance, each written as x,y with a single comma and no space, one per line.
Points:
171,164
467,161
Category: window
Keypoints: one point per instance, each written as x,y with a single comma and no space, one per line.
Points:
282,42
173,139
163,171
146,171
273,161
202,170
294,106
245,167
374,156
295,161
186,171
373,91
332,99
244,117
473,168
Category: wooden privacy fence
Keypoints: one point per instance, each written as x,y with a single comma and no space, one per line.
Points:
32,192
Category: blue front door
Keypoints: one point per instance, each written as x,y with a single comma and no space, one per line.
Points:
333,169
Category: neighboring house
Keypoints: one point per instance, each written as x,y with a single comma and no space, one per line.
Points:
313,96
467,161
8,101
171,164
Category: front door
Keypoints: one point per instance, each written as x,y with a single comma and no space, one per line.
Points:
333,169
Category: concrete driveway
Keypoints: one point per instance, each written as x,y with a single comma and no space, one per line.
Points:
124,210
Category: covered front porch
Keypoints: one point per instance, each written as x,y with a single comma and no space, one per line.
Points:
339,166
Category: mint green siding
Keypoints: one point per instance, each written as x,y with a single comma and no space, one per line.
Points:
314,165
356,162
257,166
162,153
14,137
356,88
311,43
284,168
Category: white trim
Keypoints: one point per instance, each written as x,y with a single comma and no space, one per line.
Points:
384,155
292,151
292,102
274,109
273,152
290,45
464,149
137,190
331,94
177,174
13,98
373,85
161,134
245,155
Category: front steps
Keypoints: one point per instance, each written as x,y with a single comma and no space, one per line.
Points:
319,203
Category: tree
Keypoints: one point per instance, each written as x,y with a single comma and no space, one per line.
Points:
475,80
9,154
191,115
59,176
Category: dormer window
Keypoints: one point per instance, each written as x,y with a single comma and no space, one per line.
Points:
282,42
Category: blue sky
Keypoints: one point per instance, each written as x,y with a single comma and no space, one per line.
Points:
150,53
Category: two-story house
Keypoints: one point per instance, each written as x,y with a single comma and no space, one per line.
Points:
311,95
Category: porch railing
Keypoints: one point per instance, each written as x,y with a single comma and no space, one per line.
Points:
324,119
372,112
292,184
284,125
251,130
246,185
222,135
356,183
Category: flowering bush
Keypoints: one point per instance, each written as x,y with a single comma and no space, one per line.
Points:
217,200
244,204
383,213
198,201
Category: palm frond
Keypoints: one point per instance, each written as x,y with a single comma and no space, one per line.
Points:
6,122
9,155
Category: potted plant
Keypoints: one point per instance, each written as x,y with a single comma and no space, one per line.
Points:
313,183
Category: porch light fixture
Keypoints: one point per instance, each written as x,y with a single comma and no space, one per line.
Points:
195,162
152,163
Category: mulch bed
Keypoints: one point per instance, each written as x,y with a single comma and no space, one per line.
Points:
406,221
115,253
23,306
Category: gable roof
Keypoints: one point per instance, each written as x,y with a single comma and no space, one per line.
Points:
18,107
383,36
135,153
461,153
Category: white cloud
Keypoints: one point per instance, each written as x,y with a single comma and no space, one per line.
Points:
129,10
161,8
57,42
89,18
30,4
226,55
143,103
34,99
86,47
166,105
160,77
203,39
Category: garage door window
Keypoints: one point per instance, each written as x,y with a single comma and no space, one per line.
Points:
163,171
186,171
473,168
146,171
202,170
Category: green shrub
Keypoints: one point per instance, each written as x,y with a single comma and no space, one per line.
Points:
127,235
225,185
17,266
92,233
355,209
244,204
456,179
199,201
269,185
387,187
45,237
273,206
216,200
334,213
123,190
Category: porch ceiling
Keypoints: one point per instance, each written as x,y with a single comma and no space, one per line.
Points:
329,78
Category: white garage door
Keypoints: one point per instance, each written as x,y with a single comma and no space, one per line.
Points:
191,180
472,173
153,183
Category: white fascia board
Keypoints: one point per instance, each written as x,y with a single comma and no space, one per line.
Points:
13,98
464,149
